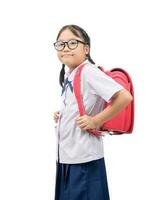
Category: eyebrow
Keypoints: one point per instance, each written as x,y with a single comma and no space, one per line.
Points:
68,40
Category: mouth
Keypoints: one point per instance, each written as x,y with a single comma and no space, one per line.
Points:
66,55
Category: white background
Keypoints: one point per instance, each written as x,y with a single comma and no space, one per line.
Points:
29,91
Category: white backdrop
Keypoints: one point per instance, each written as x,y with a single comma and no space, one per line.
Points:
29,91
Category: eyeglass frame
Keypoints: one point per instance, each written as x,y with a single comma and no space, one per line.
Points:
78,41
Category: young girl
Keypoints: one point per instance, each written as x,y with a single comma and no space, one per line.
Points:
80,171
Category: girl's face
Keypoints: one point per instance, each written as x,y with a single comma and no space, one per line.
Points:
72,57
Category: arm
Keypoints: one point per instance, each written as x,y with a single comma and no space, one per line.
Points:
118,102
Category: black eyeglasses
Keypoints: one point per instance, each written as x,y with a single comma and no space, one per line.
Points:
71,44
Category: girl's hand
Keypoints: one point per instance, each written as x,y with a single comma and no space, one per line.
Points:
56,116
86,122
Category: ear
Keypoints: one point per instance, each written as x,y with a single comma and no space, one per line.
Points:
87,49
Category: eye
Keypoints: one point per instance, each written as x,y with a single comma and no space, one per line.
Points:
73,42
59,44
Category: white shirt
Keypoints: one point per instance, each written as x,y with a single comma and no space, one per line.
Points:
73,144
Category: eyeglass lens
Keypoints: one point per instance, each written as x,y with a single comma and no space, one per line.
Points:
72,44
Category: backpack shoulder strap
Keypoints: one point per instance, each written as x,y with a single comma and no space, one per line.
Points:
79,98
77,90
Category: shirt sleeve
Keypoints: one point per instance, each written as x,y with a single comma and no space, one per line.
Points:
100,83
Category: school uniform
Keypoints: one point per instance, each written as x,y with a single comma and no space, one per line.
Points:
80,167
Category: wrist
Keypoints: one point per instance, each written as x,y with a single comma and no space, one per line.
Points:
96,122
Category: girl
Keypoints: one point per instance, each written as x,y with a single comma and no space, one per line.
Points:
80,171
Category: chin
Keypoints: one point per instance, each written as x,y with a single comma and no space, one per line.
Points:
67,62
70,63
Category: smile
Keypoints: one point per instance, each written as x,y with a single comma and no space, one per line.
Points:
67,55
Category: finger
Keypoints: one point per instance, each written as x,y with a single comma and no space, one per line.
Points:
79,122
81,118
78,117
54,118
85,128
56,115
83,125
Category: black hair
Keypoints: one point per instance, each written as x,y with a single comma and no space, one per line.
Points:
79,32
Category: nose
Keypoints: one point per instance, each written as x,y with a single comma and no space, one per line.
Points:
65,47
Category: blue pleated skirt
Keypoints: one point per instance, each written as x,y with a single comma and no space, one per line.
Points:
85,181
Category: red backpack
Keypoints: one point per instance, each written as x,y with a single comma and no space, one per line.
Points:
122,122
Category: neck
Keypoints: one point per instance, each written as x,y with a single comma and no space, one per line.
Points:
71,68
